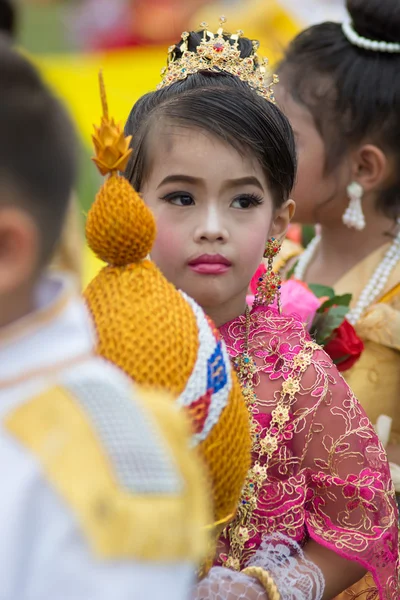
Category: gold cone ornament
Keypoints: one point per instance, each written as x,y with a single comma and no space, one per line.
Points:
120,228
112,147
160,337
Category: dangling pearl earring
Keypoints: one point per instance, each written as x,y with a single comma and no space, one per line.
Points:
353,216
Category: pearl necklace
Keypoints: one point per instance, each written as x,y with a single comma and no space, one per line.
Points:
375,285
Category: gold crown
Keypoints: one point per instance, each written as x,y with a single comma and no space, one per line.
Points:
216,53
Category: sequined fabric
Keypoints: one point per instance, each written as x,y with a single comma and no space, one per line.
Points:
328,477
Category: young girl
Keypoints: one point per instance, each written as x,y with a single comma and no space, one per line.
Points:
341,91
217,166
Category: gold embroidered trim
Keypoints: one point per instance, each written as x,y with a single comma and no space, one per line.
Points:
116,523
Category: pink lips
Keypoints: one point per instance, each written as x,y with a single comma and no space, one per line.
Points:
210,264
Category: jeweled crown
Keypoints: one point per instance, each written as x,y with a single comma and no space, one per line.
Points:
218,53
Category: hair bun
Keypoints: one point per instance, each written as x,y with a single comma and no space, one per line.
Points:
120,228
377,20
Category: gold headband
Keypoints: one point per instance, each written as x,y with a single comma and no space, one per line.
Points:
215,53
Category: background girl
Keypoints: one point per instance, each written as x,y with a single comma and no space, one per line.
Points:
340,88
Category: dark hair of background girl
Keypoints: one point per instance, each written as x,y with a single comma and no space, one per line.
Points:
353,94
239,117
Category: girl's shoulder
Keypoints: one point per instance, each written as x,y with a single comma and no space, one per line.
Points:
287,360
266,328
284,351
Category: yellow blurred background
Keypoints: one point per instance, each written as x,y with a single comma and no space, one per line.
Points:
132,68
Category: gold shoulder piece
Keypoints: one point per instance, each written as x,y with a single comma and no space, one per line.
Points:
132,501
390,295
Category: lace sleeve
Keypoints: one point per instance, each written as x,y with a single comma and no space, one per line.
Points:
350,506
293,576
223,584
296,577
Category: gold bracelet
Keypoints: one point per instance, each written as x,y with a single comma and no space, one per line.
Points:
266,581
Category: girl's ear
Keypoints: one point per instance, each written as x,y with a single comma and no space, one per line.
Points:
370,167
282,217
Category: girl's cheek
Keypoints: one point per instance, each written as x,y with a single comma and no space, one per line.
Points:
168,246
253,247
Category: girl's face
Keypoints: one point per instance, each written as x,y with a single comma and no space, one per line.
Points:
214,214
319,197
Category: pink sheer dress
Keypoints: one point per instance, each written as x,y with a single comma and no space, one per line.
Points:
318,468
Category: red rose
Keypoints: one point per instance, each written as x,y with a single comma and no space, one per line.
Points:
345,347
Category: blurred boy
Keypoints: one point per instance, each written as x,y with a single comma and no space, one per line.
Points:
100,498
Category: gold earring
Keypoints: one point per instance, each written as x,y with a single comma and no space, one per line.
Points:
270,283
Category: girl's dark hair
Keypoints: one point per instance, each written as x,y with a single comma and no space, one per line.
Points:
237,116
353,94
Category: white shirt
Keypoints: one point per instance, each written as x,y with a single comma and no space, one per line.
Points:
44,554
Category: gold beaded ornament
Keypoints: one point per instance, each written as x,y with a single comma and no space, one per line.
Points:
269,284
216,53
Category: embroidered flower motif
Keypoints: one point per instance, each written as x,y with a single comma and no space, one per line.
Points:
243,534
288,432
269,444
362,486
259,473
291,387
302,360
280,415
232,563
278,358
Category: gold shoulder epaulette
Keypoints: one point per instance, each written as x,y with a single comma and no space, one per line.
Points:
121,463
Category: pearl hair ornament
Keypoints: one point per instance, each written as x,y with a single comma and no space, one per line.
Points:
365,43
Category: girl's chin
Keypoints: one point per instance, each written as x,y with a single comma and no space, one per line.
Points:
208,298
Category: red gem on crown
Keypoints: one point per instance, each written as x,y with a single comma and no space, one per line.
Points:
218,47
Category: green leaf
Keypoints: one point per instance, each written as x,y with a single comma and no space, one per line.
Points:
290,273
338,315
336,301
321,290
317,330
308,233
325,324
340,360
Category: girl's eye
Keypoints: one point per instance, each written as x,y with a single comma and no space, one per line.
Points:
247,201
179,199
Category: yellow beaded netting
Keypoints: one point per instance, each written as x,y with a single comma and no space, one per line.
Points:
157,335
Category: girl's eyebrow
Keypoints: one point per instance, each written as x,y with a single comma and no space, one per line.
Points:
229,183
250,180
180,178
